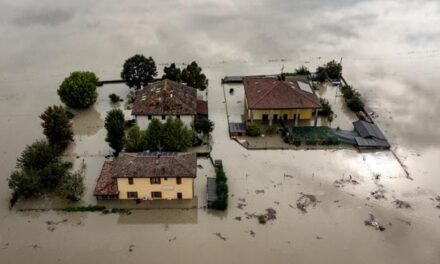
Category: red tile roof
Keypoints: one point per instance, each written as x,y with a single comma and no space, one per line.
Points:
272,93
165,97
202,107
106,185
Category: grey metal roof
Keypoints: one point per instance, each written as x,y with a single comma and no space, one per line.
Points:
237,127
233,79
212,189
368,130
371,143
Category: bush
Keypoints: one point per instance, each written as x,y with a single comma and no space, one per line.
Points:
71,186
355,104
253,130
88,208
114,98
79,89
311,141
203,125
296,141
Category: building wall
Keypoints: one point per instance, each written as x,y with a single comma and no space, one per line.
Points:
169,188
143,121
304,113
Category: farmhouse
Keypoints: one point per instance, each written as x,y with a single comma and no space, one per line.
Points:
272,98
147,176
166,98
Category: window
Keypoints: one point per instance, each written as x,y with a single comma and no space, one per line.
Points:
132,195
156,195
163,117
155,180
149,117
166,178
130,181
179,180
178,116
179,195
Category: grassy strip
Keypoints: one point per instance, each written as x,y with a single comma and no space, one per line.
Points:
310,136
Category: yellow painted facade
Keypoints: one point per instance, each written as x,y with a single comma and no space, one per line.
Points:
168,187
304,114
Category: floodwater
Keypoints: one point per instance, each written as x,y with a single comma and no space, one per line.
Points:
390,52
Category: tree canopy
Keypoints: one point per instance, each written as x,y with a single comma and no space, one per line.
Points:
176,136
192,75
71,186
79,89
172,73
203,125
56,126
114,123
37,156
135,140
138,71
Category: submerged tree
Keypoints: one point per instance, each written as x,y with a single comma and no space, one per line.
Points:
57,127
302,71
135,140
172,73
154,136
203,125
71,186
37,156
176,136
114,123
192,75
138,71
79,89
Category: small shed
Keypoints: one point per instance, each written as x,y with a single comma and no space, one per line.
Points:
237,129
211,185
370,135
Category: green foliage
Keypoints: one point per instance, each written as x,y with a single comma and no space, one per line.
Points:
222,190
176,136
326,109
138,71
302,70
331,69
203,125
352,98
172,73
24,183
320,74
114,98
51,175
135,140
114,123
57,126
313,136
253,130
88,208
37,156
79,89
154,136
71,186
192,75
296,141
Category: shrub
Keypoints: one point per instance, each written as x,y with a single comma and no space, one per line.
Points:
297,141
355,104
326,109
311,141
203,125
114,98
79,89
253,130
88,208
71,186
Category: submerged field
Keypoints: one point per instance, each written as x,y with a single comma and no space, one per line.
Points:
40,49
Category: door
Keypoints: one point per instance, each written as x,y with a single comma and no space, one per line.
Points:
285,116
275,117
265,118
179,195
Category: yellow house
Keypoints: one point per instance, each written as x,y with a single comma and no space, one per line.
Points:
273,98
148,176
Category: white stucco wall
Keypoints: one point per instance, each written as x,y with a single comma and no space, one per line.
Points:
143,122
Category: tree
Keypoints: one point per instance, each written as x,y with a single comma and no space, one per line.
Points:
321,74
203,125
114,123
51,175
24,183
135,140
192,75
56,126
37,156
71,186
154,136
333,69
302,71
138,71
172,73
79,89
176,136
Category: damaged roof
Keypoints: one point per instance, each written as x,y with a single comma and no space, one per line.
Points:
154,164
106,185
165,97
295,92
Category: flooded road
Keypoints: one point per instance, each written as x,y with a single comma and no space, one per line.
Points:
390,52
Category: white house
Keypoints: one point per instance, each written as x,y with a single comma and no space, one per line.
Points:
163,99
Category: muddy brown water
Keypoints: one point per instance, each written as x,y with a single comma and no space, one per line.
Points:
390,53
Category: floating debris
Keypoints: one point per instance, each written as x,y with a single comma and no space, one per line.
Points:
402,204
270,215
318,237
199,166
404,221
241,205
341,182
374,223
172,239
220,236
252,233
288,176
238,218
130,248
305,200
378,194
259,191
51,225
